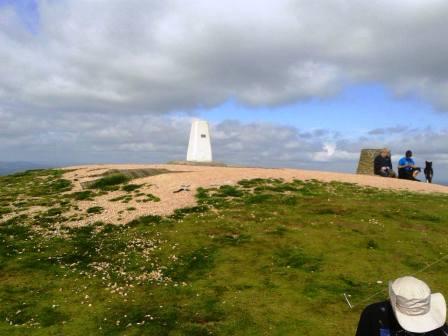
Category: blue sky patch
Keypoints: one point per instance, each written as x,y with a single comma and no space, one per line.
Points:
27,11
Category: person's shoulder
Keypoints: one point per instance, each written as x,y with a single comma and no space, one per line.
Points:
403,159
442,331
378,305
382,307
373,317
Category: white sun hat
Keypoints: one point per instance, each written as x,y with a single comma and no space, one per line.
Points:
416,309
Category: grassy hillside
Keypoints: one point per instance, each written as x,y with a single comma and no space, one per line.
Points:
261,258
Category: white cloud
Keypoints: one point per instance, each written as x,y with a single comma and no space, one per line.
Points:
154,57
331,153
98,79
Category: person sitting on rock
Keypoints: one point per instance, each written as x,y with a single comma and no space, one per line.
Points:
410,310
407,169
382,164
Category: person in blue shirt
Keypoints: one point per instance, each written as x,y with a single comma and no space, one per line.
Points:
407,169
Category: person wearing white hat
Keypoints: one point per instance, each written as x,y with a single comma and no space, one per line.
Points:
410,310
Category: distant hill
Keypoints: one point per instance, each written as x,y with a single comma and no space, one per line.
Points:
7,168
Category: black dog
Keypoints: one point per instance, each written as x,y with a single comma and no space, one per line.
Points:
429,173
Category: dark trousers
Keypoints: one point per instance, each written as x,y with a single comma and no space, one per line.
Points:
407,174
386,173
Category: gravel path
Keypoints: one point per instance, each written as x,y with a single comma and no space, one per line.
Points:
203,176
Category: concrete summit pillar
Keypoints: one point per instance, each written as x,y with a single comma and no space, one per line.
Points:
199,146
365,164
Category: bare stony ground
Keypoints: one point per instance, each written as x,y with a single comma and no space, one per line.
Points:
164,185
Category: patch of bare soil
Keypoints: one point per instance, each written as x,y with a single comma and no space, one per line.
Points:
130,173
187,178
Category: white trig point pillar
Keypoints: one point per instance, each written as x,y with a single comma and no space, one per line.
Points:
199,146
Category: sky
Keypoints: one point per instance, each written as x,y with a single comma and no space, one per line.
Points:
286,83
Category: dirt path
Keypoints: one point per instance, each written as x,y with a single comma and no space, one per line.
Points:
164,185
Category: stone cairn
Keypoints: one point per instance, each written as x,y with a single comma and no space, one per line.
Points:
365,165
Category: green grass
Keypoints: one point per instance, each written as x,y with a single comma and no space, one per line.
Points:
109,182
131,187
95,210
261,258
123,199
34,188
151,198
83,195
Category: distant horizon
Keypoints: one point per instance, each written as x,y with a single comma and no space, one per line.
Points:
41,165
